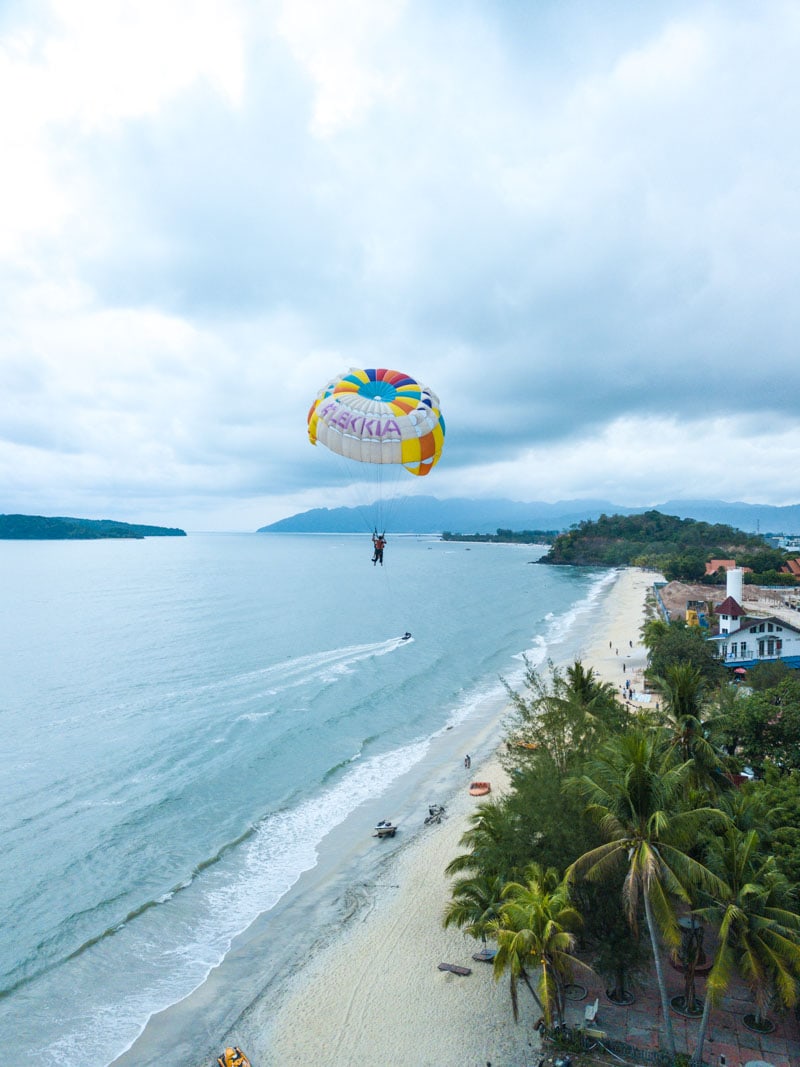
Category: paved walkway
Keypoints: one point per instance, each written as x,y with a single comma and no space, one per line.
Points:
642,1024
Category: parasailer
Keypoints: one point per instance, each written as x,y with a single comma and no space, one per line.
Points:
378,417
379,542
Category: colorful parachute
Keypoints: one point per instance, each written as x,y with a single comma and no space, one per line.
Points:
379,416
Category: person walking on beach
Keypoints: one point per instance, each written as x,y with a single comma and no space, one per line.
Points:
467,761
379,541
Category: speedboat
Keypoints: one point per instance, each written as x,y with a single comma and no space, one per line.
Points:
385,828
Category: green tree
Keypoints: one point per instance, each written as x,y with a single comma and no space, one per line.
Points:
756,929
634,794
536,930
546,825
767,726
475,904
690,567
489,840
680,643
768,674
618,955
692,729
563,711
777,799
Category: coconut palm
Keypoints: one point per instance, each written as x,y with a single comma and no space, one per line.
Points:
535,930
487,842
475,904
652,631
758,934
586,685
563,711
691,727
633,793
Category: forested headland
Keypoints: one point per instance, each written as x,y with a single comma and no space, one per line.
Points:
43,528
679,548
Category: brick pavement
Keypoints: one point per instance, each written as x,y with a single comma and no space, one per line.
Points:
642,1024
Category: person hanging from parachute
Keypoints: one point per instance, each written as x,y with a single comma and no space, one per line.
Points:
379,541
379,416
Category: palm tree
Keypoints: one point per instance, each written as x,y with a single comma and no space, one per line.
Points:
690,728
586,686
487,842
652,631
563,711
682,685
534,929
634,793
475,904
757,932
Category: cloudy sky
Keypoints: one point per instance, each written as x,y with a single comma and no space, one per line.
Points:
578,223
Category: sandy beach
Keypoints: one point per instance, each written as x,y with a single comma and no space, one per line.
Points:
374,994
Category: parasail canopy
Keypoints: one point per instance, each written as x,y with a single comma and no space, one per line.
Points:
379,416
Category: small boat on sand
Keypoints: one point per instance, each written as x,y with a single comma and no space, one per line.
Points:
479,789
385,828
486,955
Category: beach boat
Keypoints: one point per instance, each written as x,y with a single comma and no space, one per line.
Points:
385,828
479,789
532,745
486,955
233,1057
454,968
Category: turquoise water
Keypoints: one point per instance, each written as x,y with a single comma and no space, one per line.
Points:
183,724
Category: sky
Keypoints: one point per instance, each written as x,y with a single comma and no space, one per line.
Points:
577,223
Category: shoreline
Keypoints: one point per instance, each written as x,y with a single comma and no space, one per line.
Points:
370,991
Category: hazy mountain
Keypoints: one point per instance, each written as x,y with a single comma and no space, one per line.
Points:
427,514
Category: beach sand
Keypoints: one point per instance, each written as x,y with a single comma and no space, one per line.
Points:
374,994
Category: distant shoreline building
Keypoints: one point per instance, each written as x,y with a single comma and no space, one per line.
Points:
744,641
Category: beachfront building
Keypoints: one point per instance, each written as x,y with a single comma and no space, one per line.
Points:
750,641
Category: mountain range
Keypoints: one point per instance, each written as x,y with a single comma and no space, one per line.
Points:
427,514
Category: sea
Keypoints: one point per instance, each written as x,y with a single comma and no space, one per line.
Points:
198,735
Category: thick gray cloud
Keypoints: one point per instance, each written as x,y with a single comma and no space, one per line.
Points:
579,226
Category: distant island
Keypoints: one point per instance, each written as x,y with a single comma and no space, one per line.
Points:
43,528
506,537
679,548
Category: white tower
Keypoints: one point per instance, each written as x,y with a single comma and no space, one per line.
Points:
734,582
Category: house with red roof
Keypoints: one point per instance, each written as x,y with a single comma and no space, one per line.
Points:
715,565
